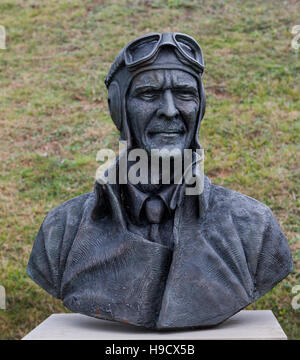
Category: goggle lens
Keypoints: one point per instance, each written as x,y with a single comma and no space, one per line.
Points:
191,49
141,49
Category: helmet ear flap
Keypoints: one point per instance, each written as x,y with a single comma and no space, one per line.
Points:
114,104
201,112
203,100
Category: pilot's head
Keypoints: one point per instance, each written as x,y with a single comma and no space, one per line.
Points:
156,97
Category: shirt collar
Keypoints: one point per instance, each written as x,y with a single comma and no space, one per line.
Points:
137,198
172,201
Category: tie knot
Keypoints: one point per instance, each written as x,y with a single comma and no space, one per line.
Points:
154,209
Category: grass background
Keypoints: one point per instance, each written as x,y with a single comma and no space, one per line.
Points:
54,118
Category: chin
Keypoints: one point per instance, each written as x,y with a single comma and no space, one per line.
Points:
161,143
169,149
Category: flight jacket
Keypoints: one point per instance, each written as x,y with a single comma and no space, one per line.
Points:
229,251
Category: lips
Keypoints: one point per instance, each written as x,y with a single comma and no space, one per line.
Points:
166,129
167,132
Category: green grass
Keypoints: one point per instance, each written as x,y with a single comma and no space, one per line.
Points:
54,118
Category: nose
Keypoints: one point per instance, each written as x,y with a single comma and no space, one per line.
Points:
167,108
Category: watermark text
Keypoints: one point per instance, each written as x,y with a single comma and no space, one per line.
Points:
2,38
296,39
2,298
296,299
160,166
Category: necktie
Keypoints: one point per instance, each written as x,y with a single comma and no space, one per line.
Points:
154,208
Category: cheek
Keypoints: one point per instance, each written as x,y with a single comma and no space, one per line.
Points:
189,111
139,113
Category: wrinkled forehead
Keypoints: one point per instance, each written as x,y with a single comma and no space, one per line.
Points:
164,79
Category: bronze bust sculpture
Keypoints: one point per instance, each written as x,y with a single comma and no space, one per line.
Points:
149,254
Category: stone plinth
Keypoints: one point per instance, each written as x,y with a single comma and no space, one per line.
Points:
247,324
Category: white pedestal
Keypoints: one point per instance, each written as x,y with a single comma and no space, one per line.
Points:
247,324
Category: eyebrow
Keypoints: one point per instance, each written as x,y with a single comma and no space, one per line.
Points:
139,88
185,87
143,87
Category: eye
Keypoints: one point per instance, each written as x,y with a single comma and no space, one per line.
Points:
185,95
149,95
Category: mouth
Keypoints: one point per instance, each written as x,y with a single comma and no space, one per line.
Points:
168,132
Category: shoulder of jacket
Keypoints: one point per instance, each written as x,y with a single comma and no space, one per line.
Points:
71,209
240,205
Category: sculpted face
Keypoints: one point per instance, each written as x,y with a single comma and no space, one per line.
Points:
162,109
